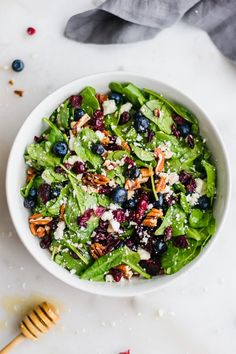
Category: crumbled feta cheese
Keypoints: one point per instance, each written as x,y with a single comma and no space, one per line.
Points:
173,178
72,159
114,206
118,141
109,107
44,177
166,149
58,233
112,183
115,225
139,137
125,107
71,143
144,255
107,215
201,187
72,271
109,278
192,198
100,135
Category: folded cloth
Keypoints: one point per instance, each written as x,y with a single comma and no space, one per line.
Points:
125,21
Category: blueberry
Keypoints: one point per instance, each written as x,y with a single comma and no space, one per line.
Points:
131,203
17,65
138,114
29,203
54,193
78,113
184,129
159,203
60,149
98,149
119,195
141,124
203,203
159,248
116,97
32,193
133,172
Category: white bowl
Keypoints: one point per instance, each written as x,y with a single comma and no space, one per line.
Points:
33,125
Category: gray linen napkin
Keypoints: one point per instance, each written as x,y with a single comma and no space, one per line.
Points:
125,21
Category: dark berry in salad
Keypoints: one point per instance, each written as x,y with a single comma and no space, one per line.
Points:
60,149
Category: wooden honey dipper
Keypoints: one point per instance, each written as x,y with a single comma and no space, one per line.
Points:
37,322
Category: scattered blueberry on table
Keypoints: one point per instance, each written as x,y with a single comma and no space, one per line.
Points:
17,65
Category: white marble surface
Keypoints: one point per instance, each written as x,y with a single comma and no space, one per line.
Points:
196,314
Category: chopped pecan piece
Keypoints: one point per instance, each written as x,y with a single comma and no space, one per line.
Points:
157,112
30,174
161,160
131,186
146,172
161,185
38,219
125,146
125,270
81,122
62,211
94,180
97,250
101,98
152,217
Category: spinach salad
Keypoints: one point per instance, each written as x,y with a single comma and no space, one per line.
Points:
120,185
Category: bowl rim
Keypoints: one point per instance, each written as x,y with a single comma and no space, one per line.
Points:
106,291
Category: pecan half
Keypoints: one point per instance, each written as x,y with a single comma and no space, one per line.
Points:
94,180
131,186
161,160
152,217
97,250
38,225
81,122
161,185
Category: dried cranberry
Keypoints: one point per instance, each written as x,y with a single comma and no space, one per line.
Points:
76,100
150,135
103,224
175,131
45,242
190,141
114,147
38,139
100,237
99,211
31,31
127,352
112,243
181,241
44,192
177,119
124,118
128,161
191,186
168,233
170,200
78,167
184,177
132,243
119,215
83,219
98,120
74,255
152,267
105,190
117,274
53,224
